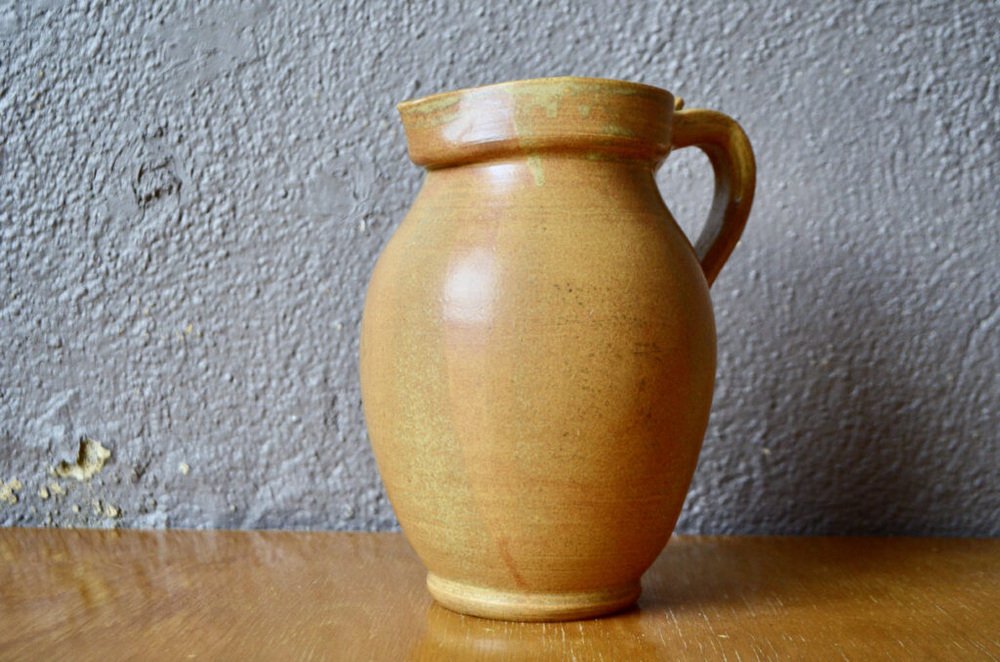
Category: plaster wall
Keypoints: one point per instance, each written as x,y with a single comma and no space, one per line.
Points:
192,197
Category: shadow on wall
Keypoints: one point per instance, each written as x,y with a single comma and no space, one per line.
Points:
857,417
853,388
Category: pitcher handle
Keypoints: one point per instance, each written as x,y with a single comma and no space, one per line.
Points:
729,150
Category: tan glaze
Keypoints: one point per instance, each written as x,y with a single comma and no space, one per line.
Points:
538,345
268,595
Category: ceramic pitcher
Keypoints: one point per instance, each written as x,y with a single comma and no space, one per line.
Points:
538,344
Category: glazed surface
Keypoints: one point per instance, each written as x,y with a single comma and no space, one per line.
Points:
538,358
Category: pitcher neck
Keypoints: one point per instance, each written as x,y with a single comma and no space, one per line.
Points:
588,116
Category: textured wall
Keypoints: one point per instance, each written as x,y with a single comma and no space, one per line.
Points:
193,198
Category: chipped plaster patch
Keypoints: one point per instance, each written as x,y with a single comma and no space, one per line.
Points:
9,490
103,509
89,461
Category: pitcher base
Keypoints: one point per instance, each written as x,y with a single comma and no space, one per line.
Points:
526,606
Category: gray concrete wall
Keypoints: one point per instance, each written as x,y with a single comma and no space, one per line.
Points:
194,196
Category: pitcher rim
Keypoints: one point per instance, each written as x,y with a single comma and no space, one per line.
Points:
433,100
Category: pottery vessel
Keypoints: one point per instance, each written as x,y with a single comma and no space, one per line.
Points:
538,344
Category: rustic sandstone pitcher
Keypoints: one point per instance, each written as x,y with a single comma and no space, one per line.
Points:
538,344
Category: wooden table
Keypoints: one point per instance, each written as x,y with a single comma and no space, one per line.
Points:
75,595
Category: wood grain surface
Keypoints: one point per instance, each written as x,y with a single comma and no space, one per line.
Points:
88,595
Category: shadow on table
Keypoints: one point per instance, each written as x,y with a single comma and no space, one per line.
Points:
698,584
